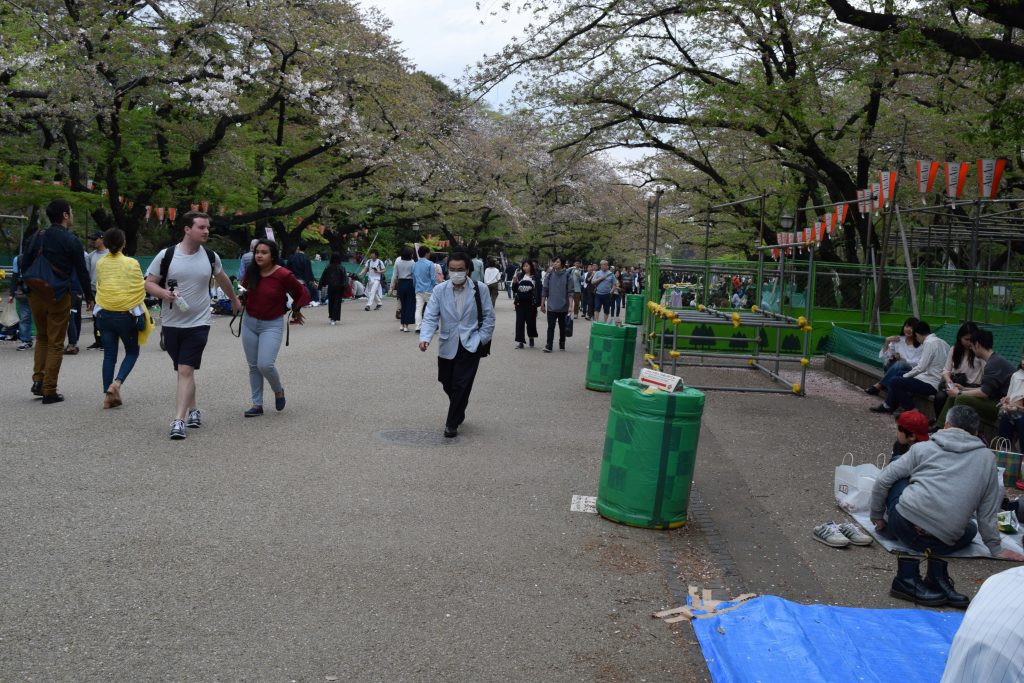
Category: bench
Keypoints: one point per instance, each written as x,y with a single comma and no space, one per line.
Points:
864,375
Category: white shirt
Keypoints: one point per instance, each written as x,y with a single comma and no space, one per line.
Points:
192,271
908,352
989,645
372,266
492,276
933,360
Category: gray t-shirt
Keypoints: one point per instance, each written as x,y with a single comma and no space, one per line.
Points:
193,276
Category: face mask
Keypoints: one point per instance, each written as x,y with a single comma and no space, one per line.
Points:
457,278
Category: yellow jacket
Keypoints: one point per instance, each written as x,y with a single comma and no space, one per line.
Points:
120,287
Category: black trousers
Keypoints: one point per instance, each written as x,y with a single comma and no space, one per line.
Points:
526,322
334,303
456,375
560,319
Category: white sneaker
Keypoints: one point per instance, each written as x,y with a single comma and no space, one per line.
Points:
830,534
854,533
195,418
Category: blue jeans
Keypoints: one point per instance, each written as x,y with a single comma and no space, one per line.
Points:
75,322
910,536
24,321
903,390
261,340
894,371
117,326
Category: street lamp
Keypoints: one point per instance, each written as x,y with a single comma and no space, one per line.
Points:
657,210
265,205
786,221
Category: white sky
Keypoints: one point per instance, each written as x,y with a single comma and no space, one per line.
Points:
443,37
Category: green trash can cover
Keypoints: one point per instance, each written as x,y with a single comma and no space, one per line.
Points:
610,356
634,309
650,451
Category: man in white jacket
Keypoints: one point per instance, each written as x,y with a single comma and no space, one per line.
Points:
921,380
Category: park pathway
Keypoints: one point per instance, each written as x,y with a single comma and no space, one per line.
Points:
342,539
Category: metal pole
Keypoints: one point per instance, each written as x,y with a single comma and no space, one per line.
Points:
657,211
647,238
760,255
910,267
707,242
972,280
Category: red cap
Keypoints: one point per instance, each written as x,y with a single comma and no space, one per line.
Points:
914,422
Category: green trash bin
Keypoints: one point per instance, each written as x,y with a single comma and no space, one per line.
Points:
650,449
610,356
634,309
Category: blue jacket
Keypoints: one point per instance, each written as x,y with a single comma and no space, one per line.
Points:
441,310
64,252
424,275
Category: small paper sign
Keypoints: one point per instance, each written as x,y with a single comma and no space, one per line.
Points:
659,380
270,234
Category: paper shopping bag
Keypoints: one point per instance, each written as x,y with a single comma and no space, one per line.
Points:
853,485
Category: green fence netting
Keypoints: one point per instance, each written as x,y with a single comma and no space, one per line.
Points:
1008,341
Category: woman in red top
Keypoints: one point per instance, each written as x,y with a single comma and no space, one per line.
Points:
263,325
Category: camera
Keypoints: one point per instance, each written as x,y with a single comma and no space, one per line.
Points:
171,283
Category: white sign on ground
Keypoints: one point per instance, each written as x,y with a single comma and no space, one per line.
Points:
584,504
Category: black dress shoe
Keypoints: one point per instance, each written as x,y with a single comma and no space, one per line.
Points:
97,345
37,388
450,432
872,390
882,408
52,398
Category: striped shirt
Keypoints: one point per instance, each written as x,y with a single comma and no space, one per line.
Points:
989,645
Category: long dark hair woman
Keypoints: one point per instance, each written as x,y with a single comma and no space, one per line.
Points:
526,291
401,282
334,279
267,284
899,354
963,368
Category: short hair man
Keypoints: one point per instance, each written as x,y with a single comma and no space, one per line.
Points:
186,328
424,279
375,269
50,299
302,269
927,497
92,258
555,301
243,263
576,277
453,307
603,281
995,380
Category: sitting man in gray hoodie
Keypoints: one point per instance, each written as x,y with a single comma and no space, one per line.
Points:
930,495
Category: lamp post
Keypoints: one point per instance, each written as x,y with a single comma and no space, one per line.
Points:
261,223
657,210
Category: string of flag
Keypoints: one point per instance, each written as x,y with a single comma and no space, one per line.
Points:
881,194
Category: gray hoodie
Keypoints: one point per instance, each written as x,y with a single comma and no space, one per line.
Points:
952,478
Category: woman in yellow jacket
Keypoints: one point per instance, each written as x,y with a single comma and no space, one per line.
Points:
120,313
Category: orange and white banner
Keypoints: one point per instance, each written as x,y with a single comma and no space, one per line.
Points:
149,212
926,172
841,210
888,179
956,176
990,172
160,214
172,212
877,201
862,202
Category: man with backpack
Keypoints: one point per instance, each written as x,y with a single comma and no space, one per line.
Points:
51,256
180,277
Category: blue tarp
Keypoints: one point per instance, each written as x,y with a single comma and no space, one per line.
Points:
770,639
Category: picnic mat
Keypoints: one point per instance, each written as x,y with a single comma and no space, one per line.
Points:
976,549
770,639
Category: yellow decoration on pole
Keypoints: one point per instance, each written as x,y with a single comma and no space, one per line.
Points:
796,389
805,362
753,309
674,354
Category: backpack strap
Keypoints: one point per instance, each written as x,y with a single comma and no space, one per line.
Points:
479,311
165,264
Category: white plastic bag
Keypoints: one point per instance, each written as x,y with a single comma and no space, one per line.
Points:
853,484
9,317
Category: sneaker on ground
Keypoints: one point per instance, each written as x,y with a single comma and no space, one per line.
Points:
855,534
178,430
25,346
195,418
830,534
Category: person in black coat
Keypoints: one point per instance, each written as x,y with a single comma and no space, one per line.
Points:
526,291
302,269
334,278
